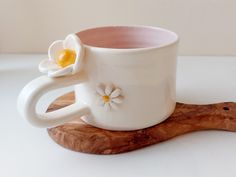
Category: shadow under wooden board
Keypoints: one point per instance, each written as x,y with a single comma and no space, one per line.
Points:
81,137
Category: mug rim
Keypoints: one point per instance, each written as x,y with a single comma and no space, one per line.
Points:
96,48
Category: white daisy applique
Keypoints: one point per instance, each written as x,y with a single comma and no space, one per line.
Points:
109,96
64,57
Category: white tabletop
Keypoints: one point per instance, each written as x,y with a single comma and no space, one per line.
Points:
26,151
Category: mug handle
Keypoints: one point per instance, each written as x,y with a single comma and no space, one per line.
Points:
34,90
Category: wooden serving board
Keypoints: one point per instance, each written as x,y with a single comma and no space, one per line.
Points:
79,136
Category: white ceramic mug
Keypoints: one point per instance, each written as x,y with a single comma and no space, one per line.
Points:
127,80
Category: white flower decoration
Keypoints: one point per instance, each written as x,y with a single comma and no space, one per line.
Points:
74,48
109,96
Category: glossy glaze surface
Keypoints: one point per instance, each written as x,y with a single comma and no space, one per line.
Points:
140,60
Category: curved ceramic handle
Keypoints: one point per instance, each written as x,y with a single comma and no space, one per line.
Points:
32,92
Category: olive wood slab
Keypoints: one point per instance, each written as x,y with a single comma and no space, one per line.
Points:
81,137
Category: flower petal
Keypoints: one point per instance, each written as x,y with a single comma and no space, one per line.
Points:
107,106
108,89
47,65
73,42
100,90
116,93
61,72
117,100
54,48
113,105
70,42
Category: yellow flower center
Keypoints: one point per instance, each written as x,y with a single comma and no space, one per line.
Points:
106,98
66,57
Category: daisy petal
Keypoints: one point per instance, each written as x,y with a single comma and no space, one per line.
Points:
115,93
108,89
113,105
117,100
47,65
54,48
100,90
107,106
100,101
61,72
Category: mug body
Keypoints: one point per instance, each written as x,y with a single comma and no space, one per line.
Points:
139,61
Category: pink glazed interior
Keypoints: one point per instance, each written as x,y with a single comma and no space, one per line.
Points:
127,37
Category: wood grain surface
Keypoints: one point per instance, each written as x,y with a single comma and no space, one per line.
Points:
81,137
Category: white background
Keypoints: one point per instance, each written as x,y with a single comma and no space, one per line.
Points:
206,27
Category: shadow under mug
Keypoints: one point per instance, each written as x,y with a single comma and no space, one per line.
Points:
139,60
